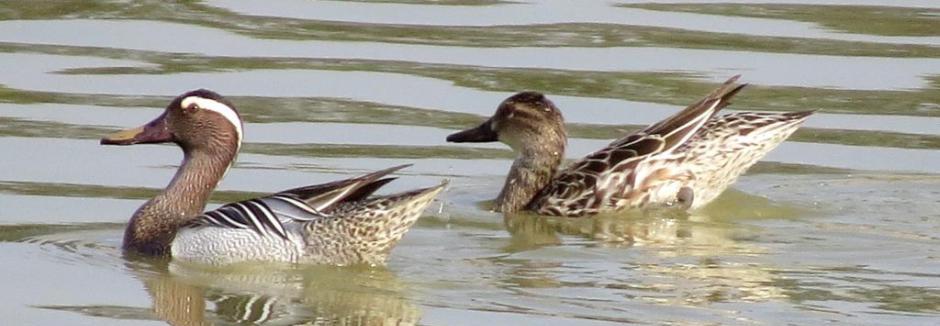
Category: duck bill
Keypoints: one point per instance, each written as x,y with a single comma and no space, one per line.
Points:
155,131
481,134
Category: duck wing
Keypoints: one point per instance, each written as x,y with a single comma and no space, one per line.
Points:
612,172
324,197
678,128
271,214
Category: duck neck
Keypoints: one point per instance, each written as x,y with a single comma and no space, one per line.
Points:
532,171
154,225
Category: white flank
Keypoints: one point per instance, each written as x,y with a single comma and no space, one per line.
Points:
220,108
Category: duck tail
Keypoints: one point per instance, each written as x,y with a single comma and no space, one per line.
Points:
390,216
750,135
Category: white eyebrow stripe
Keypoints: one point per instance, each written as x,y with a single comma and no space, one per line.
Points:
219,107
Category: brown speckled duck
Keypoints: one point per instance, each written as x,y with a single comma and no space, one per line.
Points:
334,223
686,160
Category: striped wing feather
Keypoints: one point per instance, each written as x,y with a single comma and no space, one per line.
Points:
270,215
324,197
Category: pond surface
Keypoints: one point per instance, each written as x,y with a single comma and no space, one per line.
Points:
840,224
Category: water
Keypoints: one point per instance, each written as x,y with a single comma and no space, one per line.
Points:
840,224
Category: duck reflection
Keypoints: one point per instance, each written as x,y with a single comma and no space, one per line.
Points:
530,231
697,258
278,294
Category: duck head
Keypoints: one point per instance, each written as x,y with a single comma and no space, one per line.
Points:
534,128
199,120
525,121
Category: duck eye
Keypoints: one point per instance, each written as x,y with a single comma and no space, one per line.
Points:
191,108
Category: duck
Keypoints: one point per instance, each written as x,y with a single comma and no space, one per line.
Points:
684,161
336,223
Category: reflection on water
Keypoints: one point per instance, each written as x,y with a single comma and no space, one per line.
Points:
839,225
263,294
679,265
289,295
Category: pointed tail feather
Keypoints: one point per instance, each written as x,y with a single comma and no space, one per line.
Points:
412,203
417,194
381,221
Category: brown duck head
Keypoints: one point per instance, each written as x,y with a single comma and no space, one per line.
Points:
200,120
533,127
525,121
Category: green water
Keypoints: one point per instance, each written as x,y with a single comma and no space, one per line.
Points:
839,225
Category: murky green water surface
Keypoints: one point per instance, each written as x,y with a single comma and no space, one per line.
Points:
841,224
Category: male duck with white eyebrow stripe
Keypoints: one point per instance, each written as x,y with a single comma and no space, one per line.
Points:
333,223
